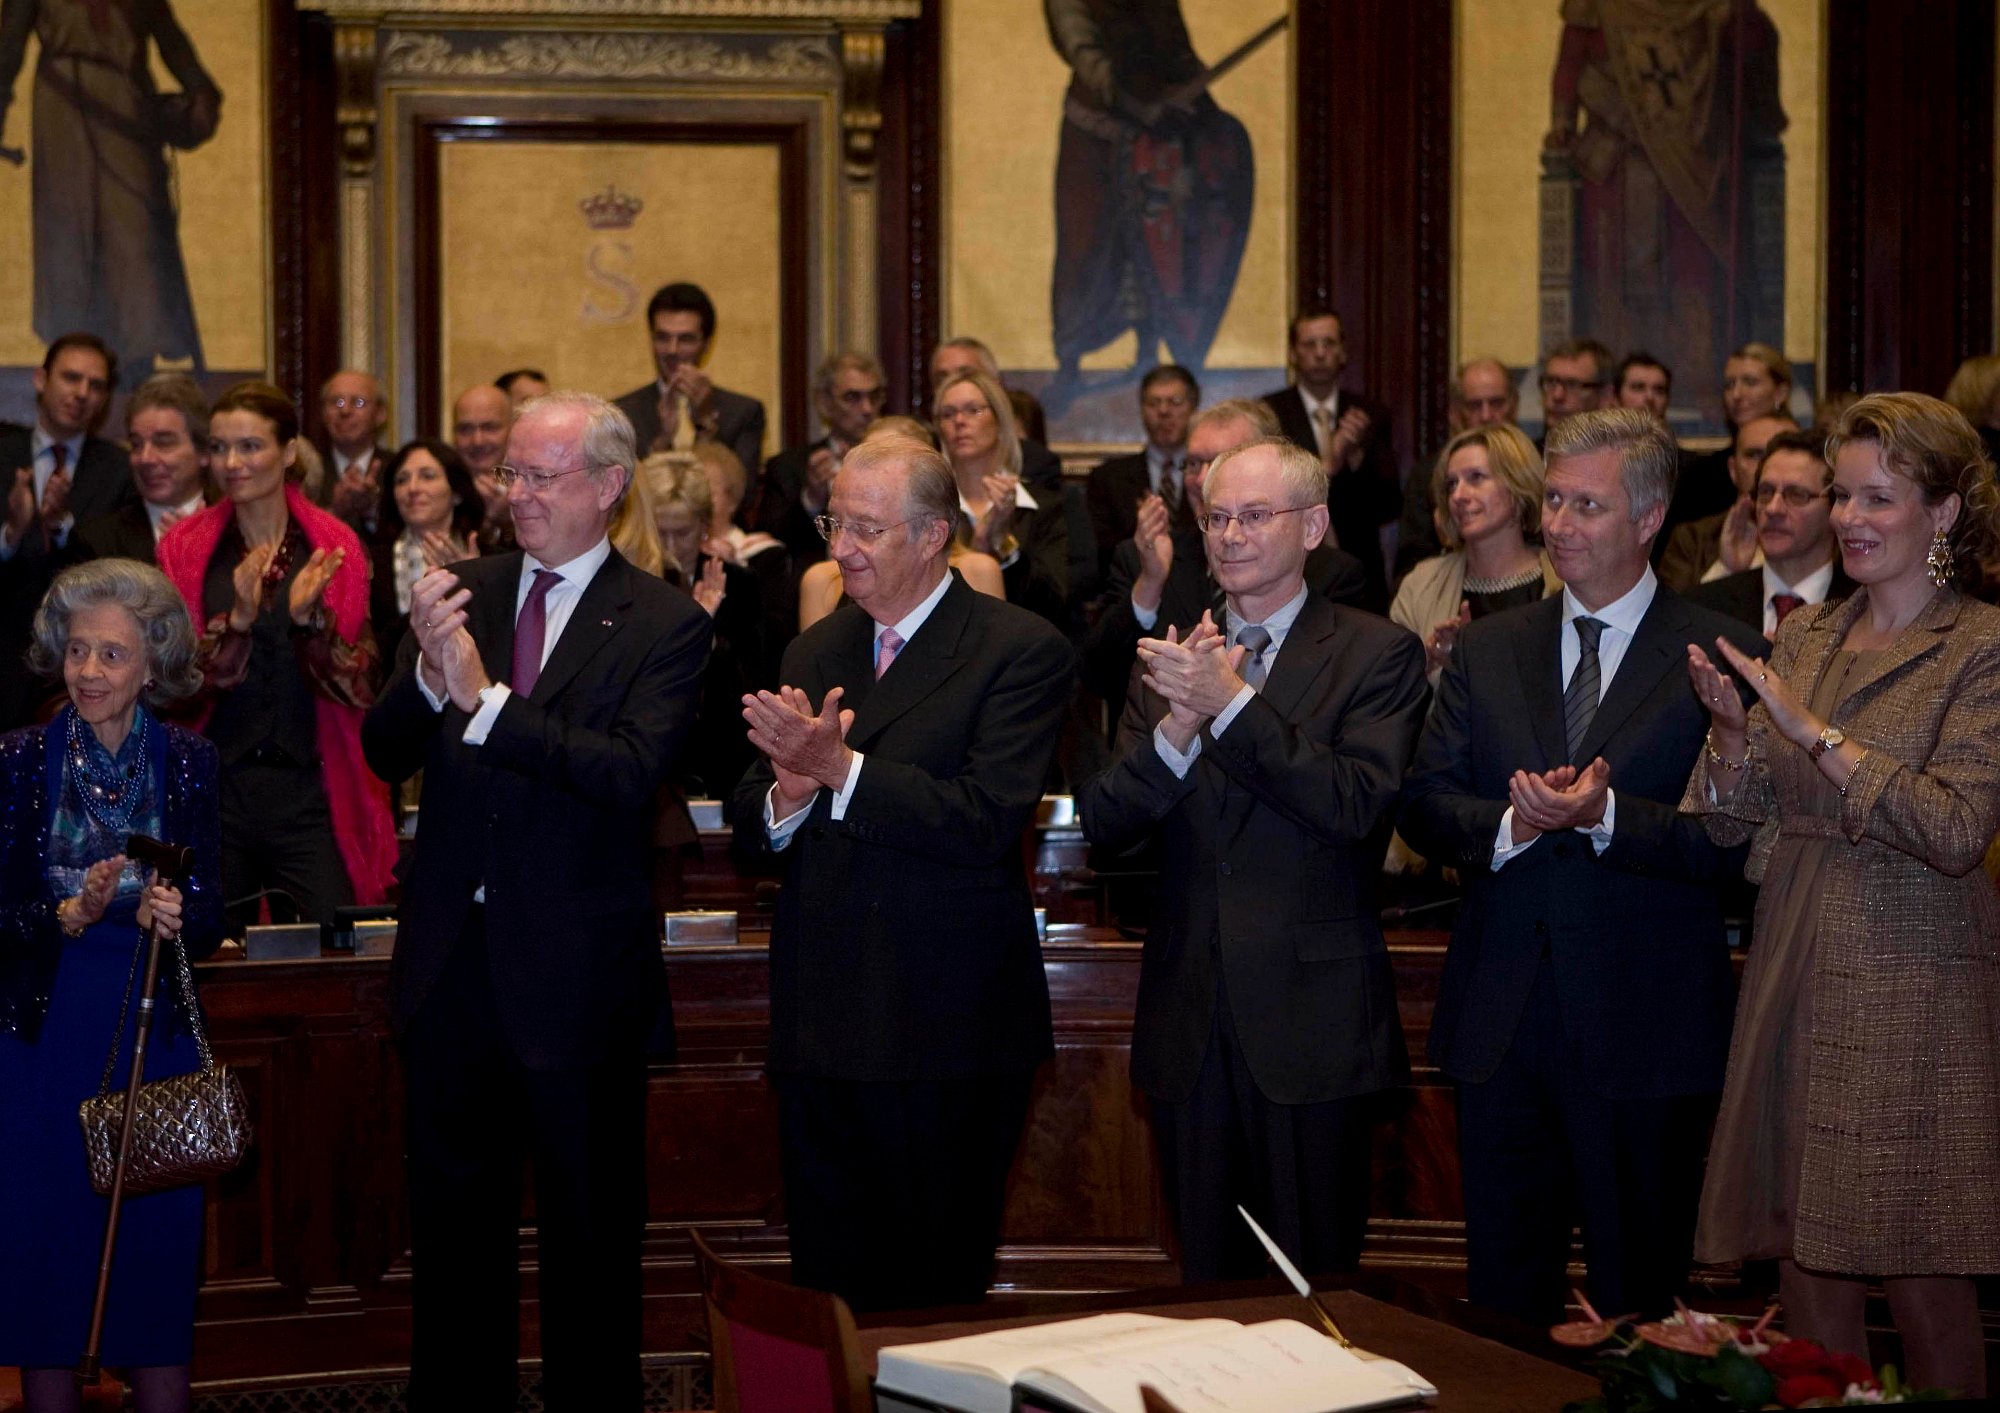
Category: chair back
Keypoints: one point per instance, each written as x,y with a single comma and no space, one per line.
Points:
778,1348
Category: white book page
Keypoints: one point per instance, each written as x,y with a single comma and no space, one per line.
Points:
1280,1366
977,1372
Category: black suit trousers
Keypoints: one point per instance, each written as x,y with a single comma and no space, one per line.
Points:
474,1114
1300,1169
1542,1152
894,1189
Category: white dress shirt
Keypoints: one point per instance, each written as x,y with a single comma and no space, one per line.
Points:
1621,621
1813,588
1279,626
780,831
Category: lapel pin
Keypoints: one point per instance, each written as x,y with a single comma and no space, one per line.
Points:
607,623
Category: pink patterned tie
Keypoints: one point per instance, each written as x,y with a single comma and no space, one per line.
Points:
886,648
530,629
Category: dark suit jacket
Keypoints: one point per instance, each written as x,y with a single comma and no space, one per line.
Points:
100,482
904,944
1363,500
781,512
1112,643
125,533
1115,489
553,814
1038,579
1741,596
739,425
1272,846
1635,935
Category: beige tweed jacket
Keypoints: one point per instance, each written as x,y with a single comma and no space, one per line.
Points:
1901,1171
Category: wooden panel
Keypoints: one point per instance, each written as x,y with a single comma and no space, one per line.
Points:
908,277
1909,258
303,181
1372,80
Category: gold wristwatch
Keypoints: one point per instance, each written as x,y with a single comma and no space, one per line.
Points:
1829,740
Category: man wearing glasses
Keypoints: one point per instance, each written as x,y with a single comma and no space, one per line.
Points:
1726,542
545,694
1168,396
849,392
1576,377
1264,750
1795,535
353,412
902,757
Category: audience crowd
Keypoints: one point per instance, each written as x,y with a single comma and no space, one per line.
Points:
1590,681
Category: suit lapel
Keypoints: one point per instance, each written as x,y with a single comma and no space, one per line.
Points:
1539,657
1306,652
492,610
926,661
1657,648
1921,637
594,621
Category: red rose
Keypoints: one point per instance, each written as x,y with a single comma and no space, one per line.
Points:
1802,1389
1794,1356
1852,1368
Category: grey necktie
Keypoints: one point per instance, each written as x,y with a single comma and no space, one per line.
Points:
1256,637
1580,699
1170,483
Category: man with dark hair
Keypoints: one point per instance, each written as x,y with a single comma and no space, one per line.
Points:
681,405
902,757
1642,381
1168,397
1585,1006
1263,752
849,392
1349,432
522,384
166,426
1575,378
1725,542
1800,561
55,474
352,411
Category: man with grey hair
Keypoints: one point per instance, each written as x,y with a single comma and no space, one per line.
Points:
902,757
527,971
849,392
353,412
1586,1001
1264,751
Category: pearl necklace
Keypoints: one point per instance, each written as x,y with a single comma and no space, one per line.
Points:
110,803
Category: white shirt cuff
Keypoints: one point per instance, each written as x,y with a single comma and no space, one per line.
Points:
846,790
1230,712
1180,763
482,721
437,702
1504,847
780,831
1147,616
1599,833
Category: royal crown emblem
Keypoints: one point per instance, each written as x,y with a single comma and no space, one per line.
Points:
610,209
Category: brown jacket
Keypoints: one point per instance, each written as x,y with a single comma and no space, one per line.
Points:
1902,1156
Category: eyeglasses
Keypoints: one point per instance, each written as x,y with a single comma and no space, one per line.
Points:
862,397
831,525
540,482
1570,385
359,404
964,411
1797,497
1214,522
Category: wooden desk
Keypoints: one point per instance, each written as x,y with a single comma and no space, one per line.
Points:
1479,1363
307,1248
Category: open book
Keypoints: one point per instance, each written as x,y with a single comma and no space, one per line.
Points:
1097,1364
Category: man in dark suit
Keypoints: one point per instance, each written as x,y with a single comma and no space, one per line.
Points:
904,755
1726,541
1168,396
1349,432
681,405
527,969
166,426
1585,1006
1801,564
1265,752
1160,579
849,392
352,413
56,475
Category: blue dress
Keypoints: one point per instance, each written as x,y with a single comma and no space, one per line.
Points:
59,1004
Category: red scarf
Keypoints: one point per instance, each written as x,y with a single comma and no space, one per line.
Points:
357,800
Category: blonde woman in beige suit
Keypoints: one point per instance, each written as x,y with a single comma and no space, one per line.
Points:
1859,1136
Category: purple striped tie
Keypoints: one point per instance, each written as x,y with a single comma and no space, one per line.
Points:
530,630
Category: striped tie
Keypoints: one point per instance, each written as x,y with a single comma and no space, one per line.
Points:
1580,700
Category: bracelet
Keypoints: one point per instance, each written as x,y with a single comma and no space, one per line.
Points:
69,929
1718,758
1851,772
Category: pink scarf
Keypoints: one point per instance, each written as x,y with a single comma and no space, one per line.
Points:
357,800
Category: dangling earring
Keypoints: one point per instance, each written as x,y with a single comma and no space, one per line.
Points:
1938,562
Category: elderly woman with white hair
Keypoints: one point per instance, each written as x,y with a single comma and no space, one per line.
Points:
74,911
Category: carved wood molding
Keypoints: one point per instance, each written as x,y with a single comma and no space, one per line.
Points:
354,66
732,11
640,55
862,51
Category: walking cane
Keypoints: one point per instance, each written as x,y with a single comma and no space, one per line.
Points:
170,863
